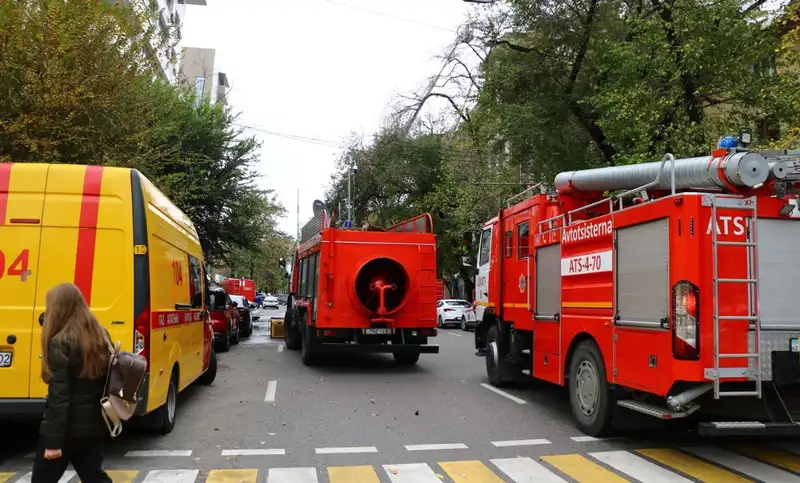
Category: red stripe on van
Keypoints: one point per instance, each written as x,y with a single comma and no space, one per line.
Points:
87,230
5,183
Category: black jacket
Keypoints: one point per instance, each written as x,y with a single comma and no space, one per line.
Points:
72,409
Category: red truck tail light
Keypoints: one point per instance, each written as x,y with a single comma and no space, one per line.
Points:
685,321
141,335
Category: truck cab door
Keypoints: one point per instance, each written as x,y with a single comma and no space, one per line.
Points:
482,275
22,192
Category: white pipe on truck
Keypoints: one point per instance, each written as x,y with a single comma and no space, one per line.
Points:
743,169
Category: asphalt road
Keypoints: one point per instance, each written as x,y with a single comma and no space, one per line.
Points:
273,419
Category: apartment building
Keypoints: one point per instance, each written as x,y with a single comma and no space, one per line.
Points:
200,73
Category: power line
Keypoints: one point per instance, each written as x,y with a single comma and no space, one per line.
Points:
293,137
389,15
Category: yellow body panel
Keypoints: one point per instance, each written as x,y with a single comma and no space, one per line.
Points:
44,211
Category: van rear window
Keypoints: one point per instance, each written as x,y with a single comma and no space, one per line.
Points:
216,301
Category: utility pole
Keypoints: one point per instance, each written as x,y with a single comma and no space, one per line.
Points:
298,216
349,221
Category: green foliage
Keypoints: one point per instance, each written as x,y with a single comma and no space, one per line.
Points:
78,87
261,264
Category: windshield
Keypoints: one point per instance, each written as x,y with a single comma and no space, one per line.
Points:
239,300
458,303
216,301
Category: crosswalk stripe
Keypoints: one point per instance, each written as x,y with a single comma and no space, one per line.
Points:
696,468
469,472
411,473
525,470
742,464
352,474
68,475
638,467
772,456
171,476
230,476
582,469
5,477
292,475
122,476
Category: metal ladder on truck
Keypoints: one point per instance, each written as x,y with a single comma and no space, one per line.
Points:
717,373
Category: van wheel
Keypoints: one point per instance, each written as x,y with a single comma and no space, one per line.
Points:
589,395
165,415
494,358
208,377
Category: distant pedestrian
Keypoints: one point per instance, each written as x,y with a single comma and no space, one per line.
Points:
75,355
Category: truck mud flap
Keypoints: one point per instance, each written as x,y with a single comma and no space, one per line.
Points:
748,428
340,348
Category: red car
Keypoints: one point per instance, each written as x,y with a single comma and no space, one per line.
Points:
225,319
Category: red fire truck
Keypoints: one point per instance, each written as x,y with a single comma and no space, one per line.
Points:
363,290
240,286
663,288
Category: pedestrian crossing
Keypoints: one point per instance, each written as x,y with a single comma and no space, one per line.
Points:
779,463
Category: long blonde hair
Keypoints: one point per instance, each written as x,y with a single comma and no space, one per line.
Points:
70,323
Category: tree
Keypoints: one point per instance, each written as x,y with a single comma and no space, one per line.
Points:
261,264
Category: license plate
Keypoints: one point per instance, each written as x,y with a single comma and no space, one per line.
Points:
795,344
5,358
379,331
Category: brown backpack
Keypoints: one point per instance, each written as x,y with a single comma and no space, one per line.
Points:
125,375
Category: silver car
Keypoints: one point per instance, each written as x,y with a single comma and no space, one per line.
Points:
456,312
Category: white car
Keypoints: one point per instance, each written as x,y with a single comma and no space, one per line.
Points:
456,312
270,302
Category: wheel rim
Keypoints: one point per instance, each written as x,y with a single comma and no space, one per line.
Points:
587,388
171,403
492,360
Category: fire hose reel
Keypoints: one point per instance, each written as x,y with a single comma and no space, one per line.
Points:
381,286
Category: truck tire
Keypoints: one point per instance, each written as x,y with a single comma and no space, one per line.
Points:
292,335
164,417
406,358
208,377
309,353
589,395
494,369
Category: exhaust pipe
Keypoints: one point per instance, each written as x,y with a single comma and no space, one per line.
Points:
677,402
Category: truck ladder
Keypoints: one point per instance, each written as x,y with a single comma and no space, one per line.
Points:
717,374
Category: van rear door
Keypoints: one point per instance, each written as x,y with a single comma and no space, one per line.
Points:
22,188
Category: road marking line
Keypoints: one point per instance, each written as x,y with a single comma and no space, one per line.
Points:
158,453
231,476
281,347
503,393
432,447
469,471
411,473
270,395
691,466
68,475
768,455
580,468
122,476
253,452
524,469
352,474
292,475
5,477
520,442
742,464
586,439
342,450
638,467
172,476
453,333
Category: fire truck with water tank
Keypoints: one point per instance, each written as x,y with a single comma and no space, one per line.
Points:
666,288
363,290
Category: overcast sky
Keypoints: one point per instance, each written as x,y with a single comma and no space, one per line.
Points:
319,69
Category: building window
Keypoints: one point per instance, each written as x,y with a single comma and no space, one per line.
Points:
199,86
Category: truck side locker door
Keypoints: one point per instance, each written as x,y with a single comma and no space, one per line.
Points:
22,188
482,275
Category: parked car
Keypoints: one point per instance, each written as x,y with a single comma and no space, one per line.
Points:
456,312
225,319
271,302
283,298
245,309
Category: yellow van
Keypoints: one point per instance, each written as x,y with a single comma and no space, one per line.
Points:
135,256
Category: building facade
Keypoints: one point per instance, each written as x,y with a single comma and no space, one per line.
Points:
200,73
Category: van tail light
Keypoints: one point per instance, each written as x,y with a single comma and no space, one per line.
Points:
685,321
141,335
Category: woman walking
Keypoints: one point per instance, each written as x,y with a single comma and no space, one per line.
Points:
75,355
